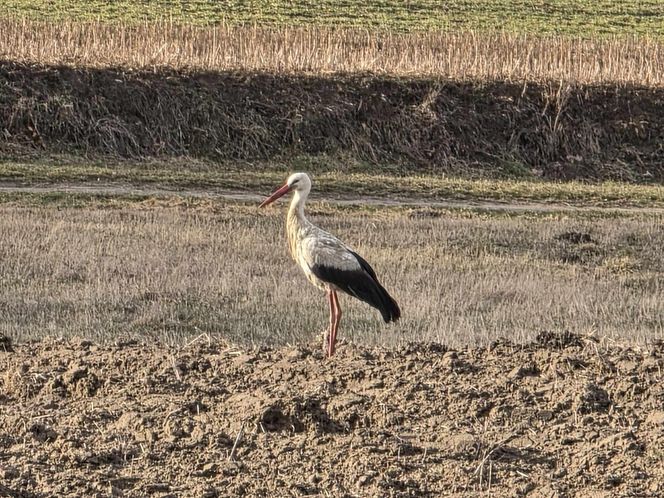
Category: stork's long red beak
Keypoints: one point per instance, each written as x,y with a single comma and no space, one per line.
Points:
282,190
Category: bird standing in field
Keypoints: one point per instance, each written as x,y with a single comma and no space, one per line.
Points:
328,263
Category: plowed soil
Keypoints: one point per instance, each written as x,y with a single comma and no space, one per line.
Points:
564,416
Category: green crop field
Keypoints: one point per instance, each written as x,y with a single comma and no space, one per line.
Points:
603,17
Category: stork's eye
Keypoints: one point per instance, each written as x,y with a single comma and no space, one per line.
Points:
295,181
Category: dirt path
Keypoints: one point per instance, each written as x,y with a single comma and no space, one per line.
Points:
342,200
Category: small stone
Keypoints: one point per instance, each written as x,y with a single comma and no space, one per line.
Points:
587,420
376,384
82,343
158,487
460,443
545,415
526,488
115,491
43,433
639,474
592,398
75,373
209,492
559,473
294,354
315,478
366,478
655,418
10,473
208,470
244,359
521,371
450,360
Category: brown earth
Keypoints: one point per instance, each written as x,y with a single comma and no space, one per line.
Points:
564,416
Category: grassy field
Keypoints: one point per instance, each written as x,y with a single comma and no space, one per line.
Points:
643,17
176,268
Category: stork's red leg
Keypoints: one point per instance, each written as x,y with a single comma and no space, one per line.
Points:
335,324
328,337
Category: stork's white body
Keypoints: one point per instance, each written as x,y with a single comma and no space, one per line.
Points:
311,246
327,262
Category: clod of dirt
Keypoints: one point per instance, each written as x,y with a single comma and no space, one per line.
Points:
592,398
43,433
528,370
454,363
274,419
657,348
558,340
350,410
129,421
460,444
5,344
74,374
655,418
575,237
79,381
566,364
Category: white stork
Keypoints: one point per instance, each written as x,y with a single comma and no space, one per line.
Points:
328,263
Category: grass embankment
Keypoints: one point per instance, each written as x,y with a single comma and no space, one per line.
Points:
568,17
553,113
551,131
166,271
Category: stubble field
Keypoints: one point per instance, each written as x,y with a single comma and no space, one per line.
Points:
204,266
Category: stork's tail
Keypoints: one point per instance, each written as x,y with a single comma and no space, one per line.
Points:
386,304
367,288
362,284
375,294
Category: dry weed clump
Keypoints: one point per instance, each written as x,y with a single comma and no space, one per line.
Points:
322,50
177,273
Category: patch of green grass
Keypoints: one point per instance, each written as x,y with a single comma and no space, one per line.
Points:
585,18
262,178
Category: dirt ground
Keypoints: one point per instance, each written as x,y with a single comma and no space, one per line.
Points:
564,416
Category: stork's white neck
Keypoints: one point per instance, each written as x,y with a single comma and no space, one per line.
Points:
297,204
296,222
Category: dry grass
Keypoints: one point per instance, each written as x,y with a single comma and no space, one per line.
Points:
222,269
316,49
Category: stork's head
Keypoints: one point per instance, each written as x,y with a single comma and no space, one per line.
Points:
300,182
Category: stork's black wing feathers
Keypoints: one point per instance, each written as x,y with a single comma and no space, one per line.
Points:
362,284
365,266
